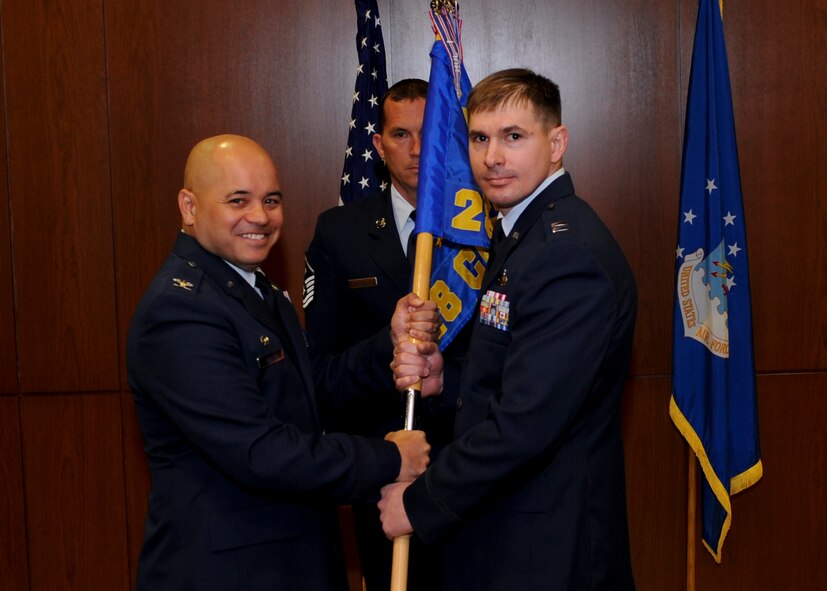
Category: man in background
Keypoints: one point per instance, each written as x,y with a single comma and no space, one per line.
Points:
359,264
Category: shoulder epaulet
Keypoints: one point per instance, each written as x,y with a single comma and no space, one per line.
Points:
553,221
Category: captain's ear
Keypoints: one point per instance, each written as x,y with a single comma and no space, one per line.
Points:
559,142
186,204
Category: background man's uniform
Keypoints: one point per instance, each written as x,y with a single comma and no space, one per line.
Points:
358,270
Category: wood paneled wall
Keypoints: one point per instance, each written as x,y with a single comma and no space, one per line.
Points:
103,99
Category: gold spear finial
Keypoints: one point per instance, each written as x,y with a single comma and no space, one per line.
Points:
444,5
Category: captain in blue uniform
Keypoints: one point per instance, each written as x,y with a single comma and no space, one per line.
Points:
531,493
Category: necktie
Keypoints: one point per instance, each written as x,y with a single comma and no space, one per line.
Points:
268,295
266,289
411,252
497,239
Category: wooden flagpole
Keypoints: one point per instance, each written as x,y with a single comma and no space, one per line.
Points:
422,288
439,15
691,517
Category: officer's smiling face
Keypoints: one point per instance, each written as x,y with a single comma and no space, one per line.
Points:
236,211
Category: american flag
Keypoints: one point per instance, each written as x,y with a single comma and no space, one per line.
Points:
364,172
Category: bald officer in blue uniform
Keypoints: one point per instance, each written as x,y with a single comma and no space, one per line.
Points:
531,493
244,483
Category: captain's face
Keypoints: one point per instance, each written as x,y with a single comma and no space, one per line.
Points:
512,152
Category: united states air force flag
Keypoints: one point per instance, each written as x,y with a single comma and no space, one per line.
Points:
363,172
449,204
713,384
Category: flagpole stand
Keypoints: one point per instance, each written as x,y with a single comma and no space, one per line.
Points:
691,518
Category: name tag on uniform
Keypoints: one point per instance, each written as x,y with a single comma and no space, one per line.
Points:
362,283
270,358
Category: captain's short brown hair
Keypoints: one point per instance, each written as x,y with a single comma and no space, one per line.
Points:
518,86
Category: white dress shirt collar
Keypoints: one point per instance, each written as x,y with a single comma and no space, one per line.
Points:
402,216
510,219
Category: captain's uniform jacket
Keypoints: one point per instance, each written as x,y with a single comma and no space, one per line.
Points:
531,494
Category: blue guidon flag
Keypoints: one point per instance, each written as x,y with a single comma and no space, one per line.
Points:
450,206
713,382
364,172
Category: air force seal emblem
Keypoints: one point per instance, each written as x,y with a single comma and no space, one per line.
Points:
703,288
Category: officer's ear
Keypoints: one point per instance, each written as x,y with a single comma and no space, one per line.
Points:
186,204
377,143
559,137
